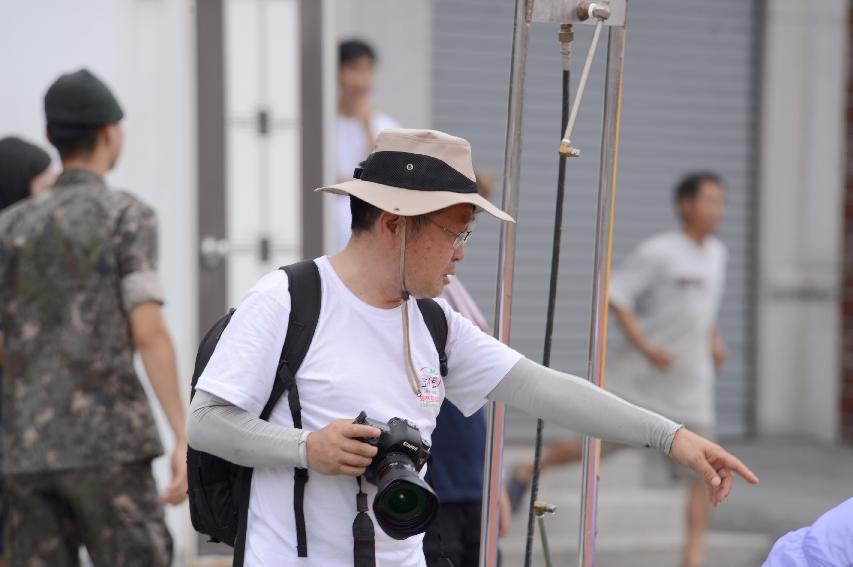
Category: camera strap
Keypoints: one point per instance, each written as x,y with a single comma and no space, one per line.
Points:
363,534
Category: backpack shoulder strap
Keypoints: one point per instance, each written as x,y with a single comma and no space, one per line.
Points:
436,322
305,295
303,282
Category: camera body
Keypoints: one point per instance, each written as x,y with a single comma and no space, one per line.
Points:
404,505
398,436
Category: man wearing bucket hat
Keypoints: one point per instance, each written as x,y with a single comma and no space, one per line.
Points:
413,203
80,294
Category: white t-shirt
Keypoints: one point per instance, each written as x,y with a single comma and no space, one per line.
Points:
355,363
674,285
352,148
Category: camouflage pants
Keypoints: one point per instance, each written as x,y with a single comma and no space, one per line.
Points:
113,510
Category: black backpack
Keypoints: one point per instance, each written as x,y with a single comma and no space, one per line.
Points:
218,489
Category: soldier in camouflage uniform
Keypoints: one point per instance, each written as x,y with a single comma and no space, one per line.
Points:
80,293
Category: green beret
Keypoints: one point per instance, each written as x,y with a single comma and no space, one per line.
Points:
81,99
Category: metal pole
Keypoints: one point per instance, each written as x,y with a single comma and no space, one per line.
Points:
566,37
543,534
541,508
566,142
601,278
263,127
506,265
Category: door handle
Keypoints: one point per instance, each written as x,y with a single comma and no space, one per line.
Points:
213,250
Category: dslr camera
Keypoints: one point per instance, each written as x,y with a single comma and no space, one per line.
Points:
404,505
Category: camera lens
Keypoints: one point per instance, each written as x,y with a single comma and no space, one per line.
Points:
405,505
404,501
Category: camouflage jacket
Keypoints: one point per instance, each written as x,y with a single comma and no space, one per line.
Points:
73,262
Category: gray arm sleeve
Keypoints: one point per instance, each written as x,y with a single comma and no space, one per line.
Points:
579,405
220,428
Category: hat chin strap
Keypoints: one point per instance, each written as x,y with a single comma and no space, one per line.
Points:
404,295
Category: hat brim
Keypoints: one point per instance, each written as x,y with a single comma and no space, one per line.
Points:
411,202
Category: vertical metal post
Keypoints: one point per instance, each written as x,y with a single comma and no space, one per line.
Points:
315,112
263,129
601,278
211,167
566,37
543,534
506,265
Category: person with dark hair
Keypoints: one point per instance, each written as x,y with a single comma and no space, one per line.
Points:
80,295
666,296
352,50
691,184
358,122
374,348
24,171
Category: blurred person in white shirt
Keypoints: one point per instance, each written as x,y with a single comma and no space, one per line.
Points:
358,122
666,297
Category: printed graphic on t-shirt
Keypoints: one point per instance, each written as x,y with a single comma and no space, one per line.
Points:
431,396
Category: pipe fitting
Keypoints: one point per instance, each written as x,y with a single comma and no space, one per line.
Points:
540,508
587,10
566,34
566,149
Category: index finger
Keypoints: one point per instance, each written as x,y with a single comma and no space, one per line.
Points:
356,430
736,465
361,448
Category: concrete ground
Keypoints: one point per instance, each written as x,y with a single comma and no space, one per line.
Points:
640,520
641,515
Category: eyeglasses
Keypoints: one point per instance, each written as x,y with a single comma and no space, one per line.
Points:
458,239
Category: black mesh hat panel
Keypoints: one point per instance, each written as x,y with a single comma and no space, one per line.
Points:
413,171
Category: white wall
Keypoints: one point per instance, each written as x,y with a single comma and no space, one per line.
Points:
401,33
802,180
144,51
263,184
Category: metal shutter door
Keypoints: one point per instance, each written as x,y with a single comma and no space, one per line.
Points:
688,103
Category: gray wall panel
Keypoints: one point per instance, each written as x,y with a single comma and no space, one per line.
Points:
688,102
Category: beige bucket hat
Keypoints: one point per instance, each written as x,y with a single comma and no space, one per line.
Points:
414,172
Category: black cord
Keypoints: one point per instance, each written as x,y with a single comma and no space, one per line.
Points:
549,322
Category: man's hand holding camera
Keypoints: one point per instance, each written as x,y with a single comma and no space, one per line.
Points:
338,449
